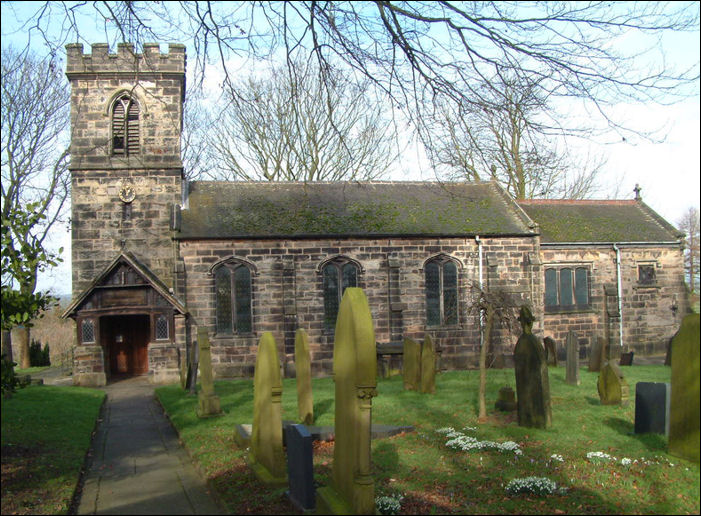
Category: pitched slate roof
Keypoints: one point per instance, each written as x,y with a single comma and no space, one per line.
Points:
343,209
598,221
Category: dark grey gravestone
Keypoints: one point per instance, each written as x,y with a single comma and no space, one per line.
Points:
550,351
626,359
300,467
652,401
507,400
595,355
572,364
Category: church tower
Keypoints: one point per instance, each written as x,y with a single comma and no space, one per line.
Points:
127,174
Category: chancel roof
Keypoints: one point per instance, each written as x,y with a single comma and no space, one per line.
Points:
345,209
608,221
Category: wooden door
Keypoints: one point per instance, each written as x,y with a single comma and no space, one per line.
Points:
127,337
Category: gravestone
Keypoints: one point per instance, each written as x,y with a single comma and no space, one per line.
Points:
612,386
411,365
303,366
352,489
550,351
684,402
208,404
532,386
595,357
428,366
300,467
507,400
572,372
652,407
266,457
626,359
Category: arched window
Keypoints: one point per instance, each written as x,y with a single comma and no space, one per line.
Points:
125,126
441,274
337,275
232,283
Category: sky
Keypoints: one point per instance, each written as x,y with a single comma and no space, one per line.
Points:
667,172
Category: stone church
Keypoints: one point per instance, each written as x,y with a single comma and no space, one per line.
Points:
156,257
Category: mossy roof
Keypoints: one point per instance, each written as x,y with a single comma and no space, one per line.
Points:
343,209
598,221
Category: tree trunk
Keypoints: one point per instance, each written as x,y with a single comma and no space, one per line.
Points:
7,344
482,417
22,335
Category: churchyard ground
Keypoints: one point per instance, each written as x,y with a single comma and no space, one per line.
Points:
599,466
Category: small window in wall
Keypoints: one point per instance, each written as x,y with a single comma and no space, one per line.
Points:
232,284
162,330
87,331
566,288
337,276
441,275
646,274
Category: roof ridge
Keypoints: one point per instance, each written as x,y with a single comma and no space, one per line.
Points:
625,202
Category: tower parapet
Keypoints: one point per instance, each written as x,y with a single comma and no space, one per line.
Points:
126,60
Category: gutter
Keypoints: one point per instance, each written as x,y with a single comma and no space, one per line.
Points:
647,243
620,296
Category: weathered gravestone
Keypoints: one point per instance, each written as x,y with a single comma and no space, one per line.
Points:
266,457
411,364
596,354
550,351
428,366
684,403
300,467
532,386
352,489
207,401
303,366
612,386
652,407
507,400
626,358
572,365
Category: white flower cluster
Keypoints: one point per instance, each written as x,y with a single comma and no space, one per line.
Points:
539,486
600,456
389,504
557,457
459,441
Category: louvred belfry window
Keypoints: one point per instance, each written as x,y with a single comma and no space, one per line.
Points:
125,126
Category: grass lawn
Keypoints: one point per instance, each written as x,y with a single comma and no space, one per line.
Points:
434,478
46,432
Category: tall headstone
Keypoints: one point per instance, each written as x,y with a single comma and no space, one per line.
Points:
300,467
266,456
652,407
532,385
572,372
612,386
428,366
411,365
207,401
352,489
595,355
684,403
303,367
550,351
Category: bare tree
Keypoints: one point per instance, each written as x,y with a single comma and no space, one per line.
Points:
416,52
510,140
35,176
495,307
689,224
289,126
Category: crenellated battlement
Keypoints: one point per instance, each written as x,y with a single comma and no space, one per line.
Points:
126,60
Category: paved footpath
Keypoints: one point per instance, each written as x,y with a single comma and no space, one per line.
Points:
138,465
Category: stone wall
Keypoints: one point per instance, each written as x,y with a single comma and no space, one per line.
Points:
288,294
648,318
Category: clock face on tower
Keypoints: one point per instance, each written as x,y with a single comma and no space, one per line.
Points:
127,193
